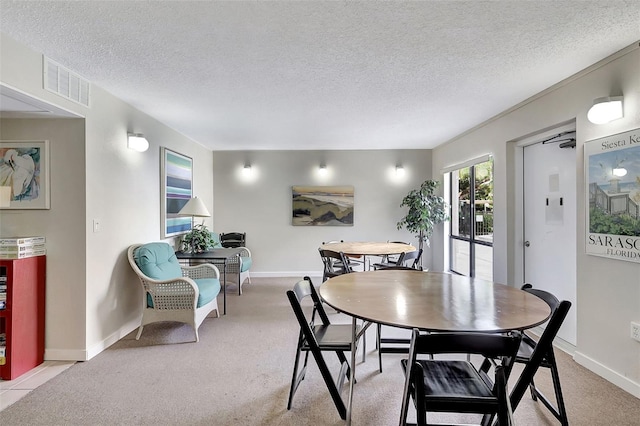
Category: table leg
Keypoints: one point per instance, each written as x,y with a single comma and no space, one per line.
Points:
224,284
352,376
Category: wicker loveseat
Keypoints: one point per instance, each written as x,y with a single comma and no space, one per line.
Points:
172,292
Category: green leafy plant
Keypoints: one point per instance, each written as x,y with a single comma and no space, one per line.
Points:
426,210
198,240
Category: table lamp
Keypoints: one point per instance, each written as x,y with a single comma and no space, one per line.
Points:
199,238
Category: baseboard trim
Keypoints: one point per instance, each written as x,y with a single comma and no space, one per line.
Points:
287,274
87,354
606,373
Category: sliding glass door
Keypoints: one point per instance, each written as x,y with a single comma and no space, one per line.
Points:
471,228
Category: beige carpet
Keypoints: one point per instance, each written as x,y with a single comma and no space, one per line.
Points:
239,374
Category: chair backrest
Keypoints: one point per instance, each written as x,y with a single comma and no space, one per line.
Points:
489,345
300,291
157,261
408,256
559,310
233,239
335,263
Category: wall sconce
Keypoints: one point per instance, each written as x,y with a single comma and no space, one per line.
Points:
605,110
246,169
5,196
399,171
322,170
137,142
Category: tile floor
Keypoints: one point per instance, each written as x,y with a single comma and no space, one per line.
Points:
12,390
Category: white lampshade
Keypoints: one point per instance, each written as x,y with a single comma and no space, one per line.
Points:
194,207
5,196
137,142
605,110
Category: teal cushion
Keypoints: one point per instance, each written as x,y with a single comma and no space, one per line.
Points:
157,261
209,289
246,263
216,240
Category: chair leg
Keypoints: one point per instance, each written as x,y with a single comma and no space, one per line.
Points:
296,378
558,389
139,332
559,411
331,385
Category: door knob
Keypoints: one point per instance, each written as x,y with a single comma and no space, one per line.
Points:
527,243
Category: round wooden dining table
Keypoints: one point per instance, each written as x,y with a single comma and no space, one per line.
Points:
368,248
430,301
434,301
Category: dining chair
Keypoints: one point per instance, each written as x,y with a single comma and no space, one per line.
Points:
409,258
540,353
352,259
318,337
455,385
335,263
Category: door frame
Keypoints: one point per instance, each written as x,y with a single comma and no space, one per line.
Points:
515,149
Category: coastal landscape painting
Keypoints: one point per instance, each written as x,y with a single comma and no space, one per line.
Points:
322,205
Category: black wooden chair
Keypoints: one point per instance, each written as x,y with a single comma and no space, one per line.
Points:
409,258
233,239
335,263
455,385
354,260
540,354
319,338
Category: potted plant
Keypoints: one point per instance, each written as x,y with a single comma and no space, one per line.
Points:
426,210
198,240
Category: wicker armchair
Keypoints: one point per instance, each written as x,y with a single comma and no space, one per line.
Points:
240,266
172,292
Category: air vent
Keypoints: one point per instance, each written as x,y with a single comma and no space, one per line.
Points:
62,81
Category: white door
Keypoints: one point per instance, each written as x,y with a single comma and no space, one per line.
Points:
549,225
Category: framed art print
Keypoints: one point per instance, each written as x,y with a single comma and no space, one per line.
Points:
612,168
24,174
322,205
176,177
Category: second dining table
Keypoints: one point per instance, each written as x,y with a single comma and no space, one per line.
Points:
430,301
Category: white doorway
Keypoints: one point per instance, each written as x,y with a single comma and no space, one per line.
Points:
549,218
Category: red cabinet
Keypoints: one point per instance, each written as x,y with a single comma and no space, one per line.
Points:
22,319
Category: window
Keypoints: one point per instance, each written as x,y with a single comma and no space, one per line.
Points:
471,227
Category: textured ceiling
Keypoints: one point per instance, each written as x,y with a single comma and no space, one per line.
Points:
323,75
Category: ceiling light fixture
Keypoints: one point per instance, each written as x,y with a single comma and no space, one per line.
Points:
605,110
137,142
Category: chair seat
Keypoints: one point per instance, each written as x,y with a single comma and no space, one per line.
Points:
208,289
334,336
453,380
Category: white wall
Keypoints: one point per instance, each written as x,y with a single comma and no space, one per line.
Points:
608,291
261,206
96,299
